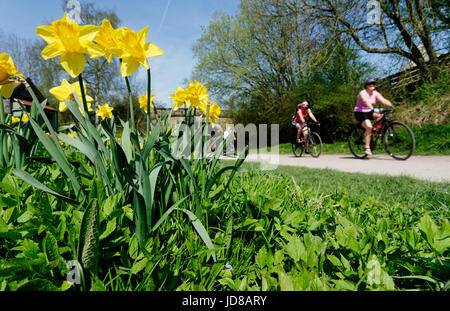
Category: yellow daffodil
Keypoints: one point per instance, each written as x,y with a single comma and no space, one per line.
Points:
7,73
133,50
180,98
25,118
65,92
143,101
214,112
196,95
66,38
105,111
106,38
14,120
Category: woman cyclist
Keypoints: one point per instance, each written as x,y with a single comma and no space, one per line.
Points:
364,111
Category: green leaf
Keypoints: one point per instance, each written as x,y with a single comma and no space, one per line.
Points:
295,248
51,247
138,266
37,184
285,281
89,238
38,285
428,228
110,227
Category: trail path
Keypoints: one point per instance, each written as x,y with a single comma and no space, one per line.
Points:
432,168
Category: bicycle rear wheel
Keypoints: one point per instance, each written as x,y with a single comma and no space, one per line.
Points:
314,144
297,149
398,140
356,141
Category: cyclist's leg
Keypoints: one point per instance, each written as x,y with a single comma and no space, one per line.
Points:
367,125
298,128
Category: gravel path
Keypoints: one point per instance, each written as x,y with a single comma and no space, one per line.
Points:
432,168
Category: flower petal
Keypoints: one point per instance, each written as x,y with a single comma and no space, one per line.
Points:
129,65
73,63
6,90
142,35
88,32
152,50
52,50
47,33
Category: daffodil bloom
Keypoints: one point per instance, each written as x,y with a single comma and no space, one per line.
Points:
214,112
133,51
66,38
105,111
106,38
180,98
25,118
65,92
143,101
7,73
196,95
14,120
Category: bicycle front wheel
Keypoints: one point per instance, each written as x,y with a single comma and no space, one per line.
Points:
398,140
314,144
297,149
356,141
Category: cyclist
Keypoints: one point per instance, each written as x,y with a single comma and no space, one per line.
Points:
298,119
364,111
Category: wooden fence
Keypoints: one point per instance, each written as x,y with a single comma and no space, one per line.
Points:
408,78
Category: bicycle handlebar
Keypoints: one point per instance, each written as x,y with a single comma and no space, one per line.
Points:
382,110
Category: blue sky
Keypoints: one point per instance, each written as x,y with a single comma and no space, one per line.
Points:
174,26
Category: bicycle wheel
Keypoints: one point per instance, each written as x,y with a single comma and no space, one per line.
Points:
398,140
356,141
297,149
314,144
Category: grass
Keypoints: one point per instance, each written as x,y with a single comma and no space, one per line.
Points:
389,189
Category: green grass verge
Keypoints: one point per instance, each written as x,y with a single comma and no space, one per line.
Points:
388,189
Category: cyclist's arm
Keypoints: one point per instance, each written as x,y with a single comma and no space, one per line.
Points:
311,115
383,100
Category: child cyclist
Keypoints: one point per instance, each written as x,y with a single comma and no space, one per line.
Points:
299,119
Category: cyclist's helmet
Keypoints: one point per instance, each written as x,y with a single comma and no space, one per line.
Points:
370,81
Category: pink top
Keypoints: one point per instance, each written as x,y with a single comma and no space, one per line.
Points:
361,107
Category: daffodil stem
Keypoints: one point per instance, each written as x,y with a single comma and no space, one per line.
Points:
206,132
83,95
130,99
149,92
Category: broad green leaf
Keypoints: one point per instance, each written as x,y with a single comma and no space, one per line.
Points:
51,247
110,227
285,281
37,184
38,285
295,248
89,238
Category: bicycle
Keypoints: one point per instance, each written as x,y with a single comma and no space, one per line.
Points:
397,138
313,145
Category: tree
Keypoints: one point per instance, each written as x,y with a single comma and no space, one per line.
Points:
412,29
265,59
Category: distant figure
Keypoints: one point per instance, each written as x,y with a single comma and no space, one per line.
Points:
229,147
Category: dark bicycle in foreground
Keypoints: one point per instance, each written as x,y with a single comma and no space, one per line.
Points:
312,145
397,138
